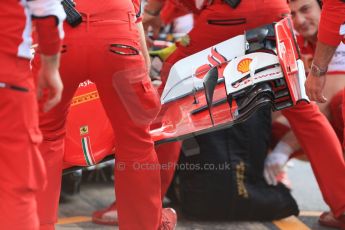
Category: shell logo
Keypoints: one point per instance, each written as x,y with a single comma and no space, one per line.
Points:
243,65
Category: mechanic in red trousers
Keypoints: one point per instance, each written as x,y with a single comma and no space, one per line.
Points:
217,22
108,48
306,18
167,153
22,168
331,33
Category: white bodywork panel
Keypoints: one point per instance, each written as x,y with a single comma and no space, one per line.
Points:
246,65
182,80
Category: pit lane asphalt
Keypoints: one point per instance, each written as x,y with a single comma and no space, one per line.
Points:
75,212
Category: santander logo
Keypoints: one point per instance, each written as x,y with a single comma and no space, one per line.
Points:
256,78
214,59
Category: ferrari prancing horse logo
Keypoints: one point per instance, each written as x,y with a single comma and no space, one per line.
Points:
84,130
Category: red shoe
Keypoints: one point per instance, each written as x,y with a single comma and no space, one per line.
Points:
329,220
107,216
169,219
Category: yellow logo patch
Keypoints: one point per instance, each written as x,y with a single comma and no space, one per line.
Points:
84,130
84,98
243,65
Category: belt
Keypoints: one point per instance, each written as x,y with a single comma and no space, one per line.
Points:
124,16
129,16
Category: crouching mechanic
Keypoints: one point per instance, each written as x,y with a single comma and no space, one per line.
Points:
306,16
218,21
22,168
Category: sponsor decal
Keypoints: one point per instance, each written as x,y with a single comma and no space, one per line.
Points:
240,178
86,146
84,130
214,59
85,83
337,64
243,65
249,80
282,48
85,98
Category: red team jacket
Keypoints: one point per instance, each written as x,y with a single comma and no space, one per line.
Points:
332,24
15,30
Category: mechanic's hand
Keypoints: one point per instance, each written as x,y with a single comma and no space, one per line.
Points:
49,81
274,164
314,88
152,24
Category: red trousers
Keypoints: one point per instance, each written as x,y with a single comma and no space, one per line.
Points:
320,143
343,110
219,22
279,130
131,103
22,169
168,155
336,119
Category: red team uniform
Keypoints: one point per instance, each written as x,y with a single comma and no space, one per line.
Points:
22,169
105,49
336,66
